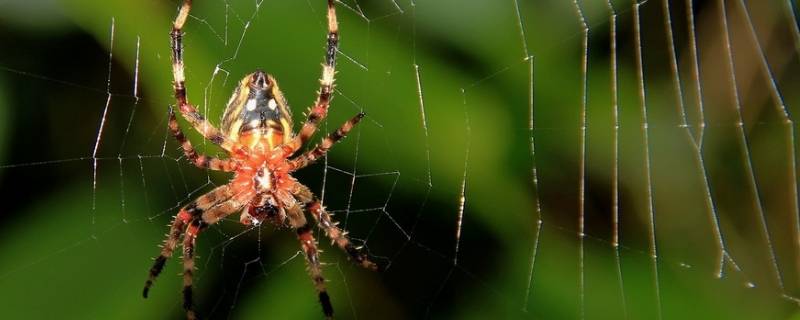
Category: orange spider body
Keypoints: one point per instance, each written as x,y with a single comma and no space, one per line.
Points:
257,119
256,133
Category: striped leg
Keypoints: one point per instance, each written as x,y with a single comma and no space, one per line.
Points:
189,112
338,236
325,221
187,214
201,222
175,231
319,150
188,265
309,245
320,109
201,161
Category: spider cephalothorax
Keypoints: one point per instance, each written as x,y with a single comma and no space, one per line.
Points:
256,132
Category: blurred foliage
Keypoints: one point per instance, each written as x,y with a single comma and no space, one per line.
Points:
71,252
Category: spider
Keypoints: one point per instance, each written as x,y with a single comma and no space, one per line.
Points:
257,134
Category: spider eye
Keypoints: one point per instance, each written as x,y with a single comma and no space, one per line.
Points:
260,80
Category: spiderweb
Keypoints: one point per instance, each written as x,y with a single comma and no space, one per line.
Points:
549,159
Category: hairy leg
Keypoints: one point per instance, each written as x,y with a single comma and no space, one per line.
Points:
188,213
189,112
199,160
309,245
188,265
326,223
320,109
322,148
198,224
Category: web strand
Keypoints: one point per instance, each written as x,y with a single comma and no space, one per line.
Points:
459,242
744,148
647,162
615,236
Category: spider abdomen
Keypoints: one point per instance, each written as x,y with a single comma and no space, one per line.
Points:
257,110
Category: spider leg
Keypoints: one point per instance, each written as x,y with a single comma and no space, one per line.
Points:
199,160
309,245
294,212
320,109
297,220
182,219
325,221
189,112
320,149
175,231
188,265
199,223
327,224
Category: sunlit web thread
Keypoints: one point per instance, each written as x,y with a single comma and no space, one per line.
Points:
424,120
462,199
582,161
421,98
422,114
694,134
788,125
700,126
648,173
612,17
673,63
532,145
535,181
696,139
102,125
744,145
128,129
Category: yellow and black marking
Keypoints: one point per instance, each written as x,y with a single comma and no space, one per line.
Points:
257,110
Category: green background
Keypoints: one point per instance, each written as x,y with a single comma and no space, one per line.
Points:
77,247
